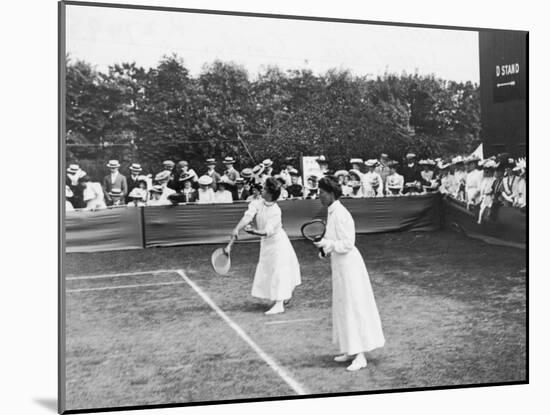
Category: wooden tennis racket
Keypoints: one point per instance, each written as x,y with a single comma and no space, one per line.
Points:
221,258
314,231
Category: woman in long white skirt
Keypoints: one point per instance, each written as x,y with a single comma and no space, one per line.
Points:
356,324
278,271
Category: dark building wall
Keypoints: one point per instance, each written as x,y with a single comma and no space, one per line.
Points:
503,89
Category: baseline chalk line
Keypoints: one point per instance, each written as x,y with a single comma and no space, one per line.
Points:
294,385
298,320
122,274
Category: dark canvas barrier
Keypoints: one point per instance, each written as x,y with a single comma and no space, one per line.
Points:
103,230
508,227
203,224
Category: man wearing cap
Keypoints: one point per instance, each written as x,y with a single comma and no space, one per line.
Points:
205,193
114,180
411,175
295,190
240,193
394,182
133,179
372,182
472,181
383,169
212,173
268,170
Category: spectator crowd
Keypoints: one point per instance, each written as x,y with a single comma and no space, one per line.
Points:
487,184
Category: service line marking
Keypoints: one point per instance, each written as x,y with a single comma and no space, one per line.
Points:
118,287
294,385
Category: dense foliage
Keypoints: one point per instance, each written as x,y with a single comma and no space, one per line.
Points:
147,116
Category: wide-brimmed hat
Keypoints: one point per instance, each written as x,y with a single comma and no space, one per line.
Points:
136,167
185,177
205,180
267,163
341,173
371,163
229,160
137,193
239,180
410,155
489,164
356,161
115,191
259,169
168,163
293,172
68,191
210,162
113,164
163,175
247,173
356,173
322,160
157,189
73,168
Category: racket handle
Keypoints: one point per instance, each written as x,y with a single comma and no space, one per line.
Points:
322,252
230,244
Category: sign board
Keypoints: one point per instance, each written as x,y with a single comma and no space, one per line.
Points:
508,81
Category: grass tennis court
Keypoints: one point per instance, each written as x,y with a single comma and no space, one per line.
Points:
453,311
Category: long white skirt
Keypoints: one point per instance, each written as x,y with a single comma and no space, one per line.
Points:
356,325
278,270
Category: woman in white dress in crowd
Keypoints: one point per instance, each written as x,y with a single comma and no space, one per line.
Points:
93,194
278,270
356,324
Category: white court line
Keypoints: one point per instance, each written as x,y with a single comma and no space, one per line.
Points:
117,287
290,321
123,274
294,385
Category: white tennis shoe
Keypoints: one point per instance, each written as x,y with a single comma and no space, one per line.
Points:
358,363
343,358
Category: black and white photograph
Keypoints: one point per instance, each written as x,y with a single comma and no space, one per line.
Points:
268,207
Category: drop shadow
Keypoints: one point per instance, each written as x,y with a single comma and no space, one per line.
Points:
48,403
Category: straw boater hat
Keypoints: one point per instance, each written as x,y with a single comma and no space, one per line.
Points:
68,191
239,180
73,168
410,155
259,169
135,167
113,164
163,175
229,160
356,161
137,193
205,180
156,189
371,163
427,162
293,172
210,162
115,191
267,163
168,163
341,173
247,173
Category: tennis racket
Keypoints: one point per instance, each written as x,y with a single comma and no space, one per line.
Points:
221,258
314,231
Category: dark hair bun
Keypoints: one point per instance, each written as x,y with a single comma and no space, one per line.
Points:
330,184
273,187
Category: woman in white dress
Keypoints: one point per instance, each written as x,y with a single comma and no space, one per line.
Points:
278,270
356,324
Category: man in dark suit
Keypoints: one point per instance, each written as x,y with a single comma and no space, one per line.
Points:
411,175
240,193
114,180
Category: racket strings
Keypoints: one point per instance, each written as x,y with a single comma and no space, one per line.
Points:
314,230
